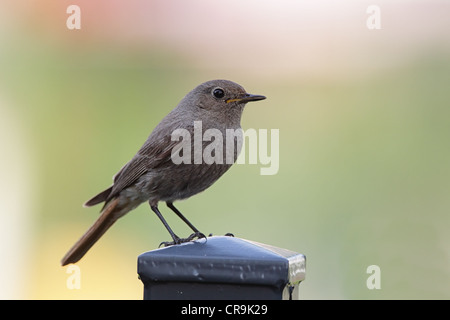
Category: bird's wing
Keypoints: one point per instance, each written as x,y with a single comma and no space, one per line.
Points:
149,157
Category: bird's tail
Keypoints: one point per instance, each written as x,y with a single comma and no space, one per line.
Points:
110,213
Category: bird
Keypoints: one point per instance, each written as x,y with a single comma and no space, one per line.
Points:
153,176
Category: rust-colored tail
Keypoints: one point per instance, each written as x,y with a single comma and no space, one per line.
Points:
107,218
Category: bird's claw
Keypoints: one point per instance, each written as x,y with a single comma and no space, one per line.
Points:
178,240
228,234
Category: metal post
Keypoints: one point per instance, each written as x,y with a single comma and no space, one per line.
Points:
221,267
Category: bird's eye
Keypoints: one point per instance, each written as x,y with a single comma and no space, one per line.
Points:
218,93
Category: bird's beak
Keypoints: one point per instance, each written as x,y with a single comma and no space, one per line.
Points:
246,98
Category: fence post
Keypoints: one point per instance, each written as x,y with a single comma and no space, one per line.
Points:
221,267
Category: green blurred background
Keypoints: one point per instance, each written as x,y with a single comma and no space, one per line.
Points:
363,117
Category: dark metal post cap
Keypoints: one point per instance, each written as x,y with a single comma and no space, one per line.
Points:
221,267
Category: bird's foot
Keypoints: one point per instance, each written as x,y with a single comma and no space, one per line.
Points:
178,240
197,235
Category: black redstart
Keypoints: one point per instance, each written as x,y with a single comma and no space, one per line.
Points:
152,175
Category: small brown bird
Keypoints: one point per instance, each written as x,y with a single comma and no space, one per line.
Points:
153,176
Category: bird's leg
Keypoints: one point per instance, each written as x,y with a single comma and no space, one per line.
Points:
175,238
196,234
178,213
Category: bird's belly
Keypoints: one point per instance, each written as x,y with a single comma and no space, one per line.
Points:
179,182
